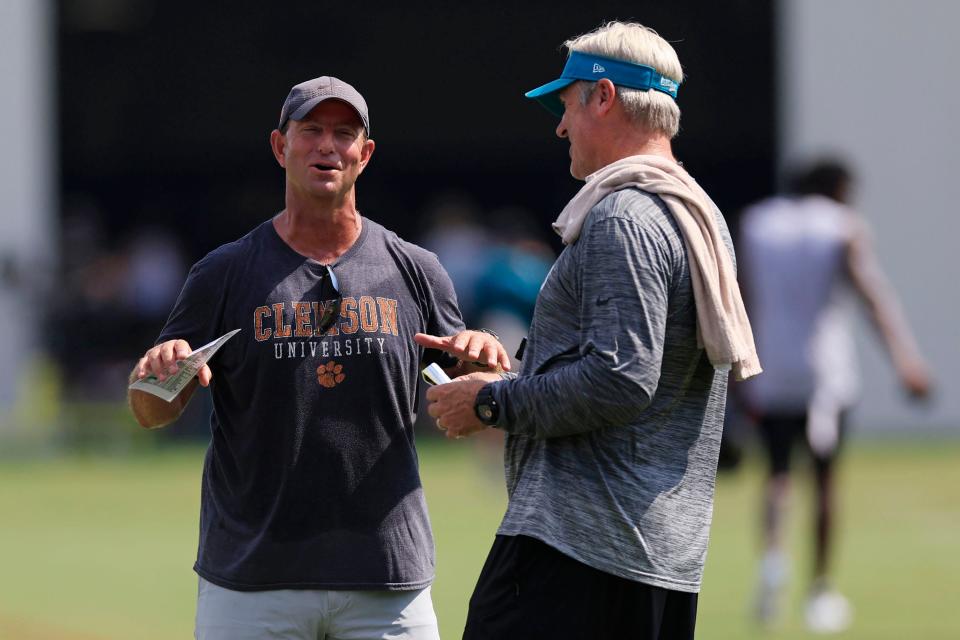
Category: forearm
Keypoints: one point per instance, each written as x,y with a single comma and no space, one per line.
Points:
152,412
585,395
892,327
882,305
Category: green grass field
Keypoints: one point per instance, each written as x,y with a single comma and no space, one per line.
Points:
98,548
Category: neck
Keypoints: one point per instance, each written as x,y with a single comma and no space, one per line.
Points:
621,139
646,145
319,229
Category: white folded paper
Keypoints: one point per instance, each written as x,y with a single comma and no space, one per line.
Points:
433,374
187,369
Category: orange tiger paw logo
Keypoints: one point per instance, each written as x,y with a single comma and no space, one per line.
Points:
330,375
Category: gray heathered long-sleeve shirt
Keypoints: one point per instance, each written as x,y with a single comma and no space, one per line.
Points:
613,424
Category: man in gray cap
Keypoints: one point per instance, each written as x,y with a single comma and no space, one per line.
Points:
313,522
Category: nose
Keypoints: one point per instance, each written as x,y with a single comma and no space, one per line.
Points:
325,142
562,128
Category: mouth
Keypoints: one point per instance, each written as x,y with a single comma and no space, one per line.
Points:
324,166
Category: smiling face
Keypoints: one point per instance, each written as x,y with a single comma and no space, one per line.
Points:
324,152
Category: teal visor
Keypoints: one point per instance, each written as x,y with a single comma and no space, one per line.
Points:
586,66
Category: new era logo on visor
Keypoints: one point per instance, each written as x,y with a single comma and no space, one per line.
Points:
597,68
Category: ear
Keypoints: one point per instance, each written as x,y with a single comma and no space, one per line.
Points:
366,152
605,95
278,144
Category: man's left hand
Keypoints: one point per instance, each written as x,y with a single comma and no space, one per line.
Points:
452,404
470,347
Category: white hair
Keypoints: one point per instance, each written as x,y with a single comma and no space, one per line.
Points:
636,43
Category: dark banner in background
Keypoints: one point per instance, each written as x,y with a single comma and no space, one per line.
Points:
165,107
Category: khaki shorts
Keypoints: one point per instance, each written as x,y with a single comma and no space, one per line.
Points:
288,614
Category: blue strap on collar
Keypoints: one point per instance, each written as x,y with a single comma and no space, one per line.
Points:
586,66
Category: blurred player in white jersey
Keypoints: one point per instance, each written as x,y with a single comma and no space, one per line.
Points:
805,259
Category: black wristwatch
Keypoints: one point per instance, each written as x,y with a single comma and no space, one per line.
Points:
486,407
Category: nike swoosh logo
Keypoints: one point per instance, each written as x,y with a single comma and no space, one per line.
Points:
602,301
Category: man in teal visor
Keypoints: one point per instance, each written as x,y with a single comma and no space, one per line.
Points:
613,424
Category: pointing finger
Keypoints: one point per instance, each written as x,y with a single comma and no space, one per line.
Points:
430,342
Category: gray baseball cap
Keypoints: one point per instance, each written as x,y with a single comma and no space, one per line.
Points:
306,95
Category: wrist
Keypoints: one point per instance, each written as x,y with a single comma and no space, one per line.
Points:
486,407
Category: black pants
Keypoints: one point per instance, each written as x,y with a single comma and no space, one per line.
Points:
779,432
530,591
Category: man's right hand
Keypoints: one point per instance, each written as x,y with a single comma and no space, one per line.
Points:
149,410
162,359
915,378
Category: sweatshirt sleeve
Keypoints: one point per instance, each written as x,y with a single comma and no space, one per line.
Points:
623,280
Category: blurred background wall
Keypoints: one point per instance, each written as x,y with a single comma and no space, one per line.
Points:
137,136
28,194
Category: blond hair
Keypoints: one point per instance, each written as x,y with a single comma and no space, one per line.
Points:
634,42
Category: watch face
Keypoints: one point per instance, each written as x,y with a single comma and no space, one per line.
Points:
485,407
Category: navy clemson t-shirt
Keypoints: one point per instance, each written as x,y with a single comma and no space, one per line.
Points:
311,477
